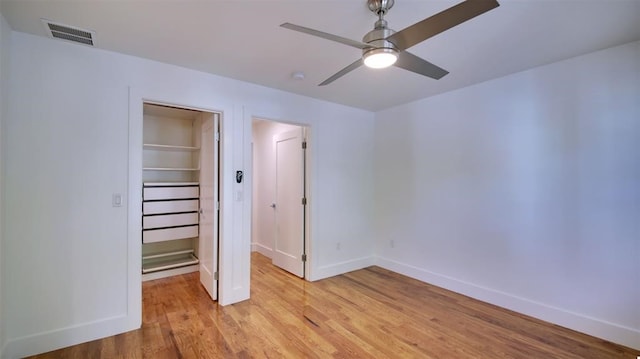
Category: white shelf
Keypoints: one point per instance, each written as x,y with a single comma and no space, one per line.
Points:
168,254
158,147
171,169
170,272
170,260
167,184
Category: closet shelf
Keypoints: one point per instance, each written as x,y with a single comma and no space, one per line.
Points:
169,260
171,169
159,147
166,184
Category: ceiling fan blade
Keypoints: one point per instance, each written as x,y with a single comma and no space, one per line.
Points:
440,22
415,64
342,72
324,35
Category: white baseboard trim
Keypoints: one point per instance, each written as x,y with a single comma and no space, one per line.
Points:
340,268
609,331
262,249
65,337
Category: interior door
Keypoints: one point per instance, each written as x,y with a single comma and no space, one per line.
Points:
289,209
208,243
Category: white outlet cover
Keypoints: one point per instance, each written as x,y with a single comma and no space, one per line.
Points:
116,200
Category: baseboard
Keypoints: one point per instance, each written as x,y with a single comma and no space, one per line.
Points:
262,249
65,337
340,268
598,328
3,346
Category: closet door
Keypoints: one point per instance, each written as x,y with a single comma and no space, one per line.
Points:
208,246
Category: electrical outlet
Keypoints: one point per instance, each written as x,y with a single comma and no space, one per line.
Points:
116,200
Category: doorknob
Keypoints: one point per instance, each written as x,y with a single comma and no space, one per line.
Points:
273,205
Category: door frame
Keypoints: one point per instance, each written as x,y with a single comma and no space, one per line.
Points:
230,289
217,125
307,185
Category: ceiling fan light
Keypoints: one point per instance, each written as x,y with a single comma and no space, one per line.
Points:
380,58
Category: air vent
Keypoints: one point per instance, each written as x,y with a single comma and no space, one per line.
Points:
70,33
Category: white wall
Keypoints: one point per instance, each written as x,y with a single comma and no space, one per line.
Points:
5,33
264,177
523,192
520,191
66,152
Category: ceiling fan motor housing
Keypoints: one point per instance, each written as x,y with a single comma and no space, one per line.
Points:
377,38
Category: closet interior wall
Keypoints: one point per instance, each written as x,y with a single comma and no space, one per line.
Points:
171,190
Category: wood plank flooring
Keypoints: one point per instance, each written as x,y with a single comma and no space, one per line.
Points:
370,313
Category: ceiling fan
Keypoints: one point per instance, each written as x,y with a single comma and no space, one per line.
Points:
383,47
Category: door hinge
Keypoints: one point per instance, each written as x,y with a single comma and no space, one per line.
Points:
215,276
217,136
304,257
304,145
304,201
217,206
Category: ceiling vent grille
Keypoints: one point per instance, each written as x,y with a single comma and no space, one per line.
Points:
70,33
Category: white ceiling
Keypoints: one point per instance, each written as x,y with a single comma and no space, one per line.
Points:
242,39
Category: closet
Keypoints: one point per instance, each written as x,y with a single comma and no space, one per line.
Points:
179,193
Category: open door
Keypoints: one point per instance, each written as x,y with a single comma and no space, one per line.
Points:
289,206
208,244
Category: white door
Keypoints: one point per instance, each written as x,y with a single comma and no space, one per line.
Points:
289,210
208,244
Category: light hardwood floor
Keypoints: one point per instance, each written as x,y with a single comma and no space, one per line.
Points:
370,313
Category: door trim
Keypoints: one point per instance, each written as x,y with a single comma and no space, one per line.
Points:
232,289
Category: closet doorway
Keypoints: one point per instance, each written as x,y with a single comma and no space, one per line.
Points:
180,193
279,205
